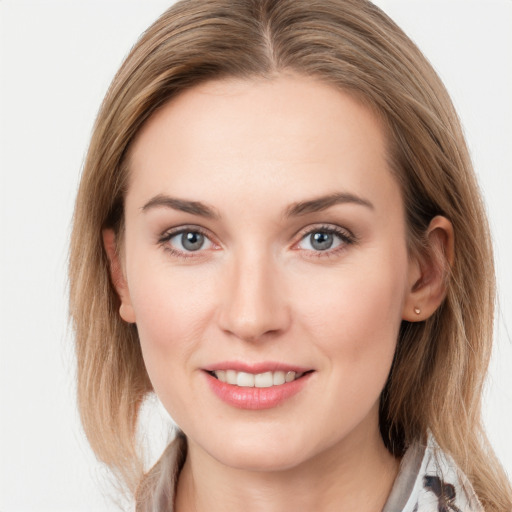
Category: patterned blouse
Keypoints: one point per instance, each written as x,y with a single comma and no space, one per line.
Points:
428,481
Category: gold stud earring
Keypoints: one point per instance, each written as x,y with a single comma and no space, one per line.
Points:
417,310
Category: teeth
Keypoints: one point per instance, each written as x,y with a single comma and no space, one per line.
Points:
290,376
245,380
221,375
230,376
278,378
260,380
264,380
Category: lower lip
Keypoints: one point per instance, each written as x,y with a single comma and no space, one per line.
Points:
256,398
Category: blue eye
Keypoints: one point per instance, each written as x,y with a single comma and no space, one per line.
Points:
192,241
323,239
188,241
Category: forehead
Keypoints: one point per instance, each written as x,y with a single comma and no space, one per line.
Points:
284,133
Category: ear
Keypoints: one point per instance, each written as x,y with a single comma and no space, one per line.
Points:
117,275
428,272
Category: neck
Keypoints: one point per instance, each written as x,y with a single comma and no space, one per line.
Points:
356,474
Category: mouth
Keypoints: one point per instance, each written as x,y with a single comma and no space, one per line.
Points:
259,380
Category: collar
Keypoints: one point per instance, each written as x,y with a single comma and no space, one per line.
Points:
428,481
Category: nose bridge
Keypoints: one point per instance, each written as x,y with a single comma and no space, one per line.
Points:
254,303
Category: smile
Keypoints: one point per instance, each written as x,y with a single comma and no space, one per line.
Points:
256,387
259,380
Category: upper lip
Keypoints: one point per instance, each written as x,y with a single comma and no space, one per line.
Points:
256,368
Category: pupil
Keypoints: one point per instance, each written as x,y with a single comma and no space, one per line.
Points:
321,241
192,241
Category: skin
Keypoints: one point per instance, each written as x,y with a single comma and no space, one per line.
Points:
259,291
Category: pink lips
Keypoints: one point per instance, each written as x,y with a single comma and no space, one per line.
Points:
254,398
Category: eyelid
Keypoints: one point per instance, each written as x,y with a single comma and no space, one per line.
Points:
346,236
170,233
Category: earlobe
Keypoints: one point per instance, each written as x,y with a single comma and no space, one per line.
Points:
117,275
429,272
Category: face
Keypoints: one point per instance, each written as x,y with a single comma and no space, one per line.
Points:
265,266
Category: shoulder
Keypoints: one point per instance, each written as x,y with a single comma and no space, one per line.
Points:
430,481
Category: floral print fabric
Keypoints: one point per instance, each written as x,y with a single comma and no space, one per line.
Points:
430,481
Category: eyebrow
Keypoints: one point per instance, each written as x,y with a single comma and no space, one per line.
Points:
322,203
294,210
193,207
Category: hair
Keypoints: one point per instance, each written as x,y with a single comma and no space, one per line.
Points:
436,380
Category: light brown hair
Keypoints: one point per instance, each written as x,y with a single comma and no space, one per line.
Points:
440,364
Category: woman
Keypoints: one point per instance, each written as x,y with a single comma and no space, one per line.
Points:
276,232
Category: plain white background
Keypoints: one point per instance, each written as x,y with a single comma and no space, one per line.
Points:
57,59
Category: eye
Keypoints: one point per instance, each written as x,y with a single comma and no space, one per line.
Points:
186,241
324,239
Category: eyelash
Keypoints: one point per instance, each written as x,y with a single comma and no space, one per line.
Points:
345,236
168,235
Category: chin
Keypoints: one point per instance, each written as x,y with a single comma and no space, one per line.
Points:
266,453
261,460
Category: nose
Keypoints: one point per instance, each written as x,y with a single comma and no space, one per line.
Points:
254,304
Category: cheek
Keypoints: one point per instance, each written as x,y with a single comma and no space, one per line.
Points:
172,311
354,326
353,304
354,318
